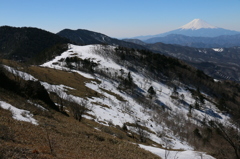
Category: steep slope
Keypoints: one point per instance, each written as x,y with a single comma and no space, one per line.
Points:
157,102
29,128
128,99
86,37
24,44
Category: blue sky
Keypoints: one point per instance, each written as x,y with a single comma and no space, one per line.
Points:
119,18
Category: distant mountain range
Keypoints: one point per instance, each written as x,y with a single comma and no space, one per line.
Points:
33,44
197,33
198,42
195,28
220,63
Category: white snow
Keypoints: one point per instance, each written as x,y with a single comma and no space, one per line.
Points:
218,49
176,154
197,24
86,75
37,105
119,112
20,74
19,114
84,52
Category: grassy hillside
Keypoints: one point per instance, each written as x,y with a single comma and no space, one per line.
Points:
57,135
108,98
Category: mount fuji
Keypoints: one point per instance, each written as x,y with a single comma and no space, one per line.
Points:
197,24
195,28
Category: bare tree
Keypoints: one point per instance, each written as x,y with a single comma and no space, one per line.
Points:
167,143
60,97
143,135
49,139
175,156
230,133
167,152
78,110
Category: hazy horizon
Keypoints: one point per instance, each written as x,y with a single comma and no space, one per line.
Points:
120,19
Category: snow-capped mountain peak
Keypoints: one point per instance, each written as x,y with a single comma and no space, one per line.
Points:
197,24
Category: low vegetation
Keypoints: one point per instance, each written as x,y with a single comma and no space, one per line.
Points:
62,137
66,133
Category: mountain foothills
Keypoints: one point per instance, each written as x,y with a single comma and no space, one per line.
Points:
24,44
86,37
198,42
220,63
105,98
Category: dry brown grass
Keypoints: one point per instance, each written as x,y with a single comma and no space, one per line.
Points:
102,105
114,94
68,137
58,136
57,77
70,79
11,63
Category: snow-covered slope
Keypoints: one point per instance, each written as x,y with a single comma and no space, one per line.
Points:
161,117
19,114
119,108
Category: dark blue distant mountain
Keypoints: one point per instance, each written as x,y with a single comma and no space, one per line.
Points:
203,32
198,42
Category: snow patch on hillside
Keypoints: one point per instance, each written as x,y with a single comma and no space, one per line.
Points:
19,114
37,105
111,109
176,154
20,74
218,49
92,52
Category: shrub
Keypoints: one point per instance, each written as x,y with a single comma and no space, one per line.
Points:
78,110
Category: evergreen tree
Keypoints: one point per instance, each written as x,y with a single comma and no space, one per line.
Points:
151,91
190,109
130,79
200,96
